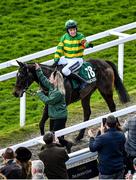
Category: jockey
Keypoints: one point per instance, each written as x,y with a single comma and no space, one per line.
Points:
71,46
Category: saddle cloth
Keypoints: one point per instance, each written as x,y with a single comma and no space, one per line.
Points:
87,72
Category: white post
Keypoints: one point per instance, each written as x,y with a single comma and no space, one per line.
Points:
121,60
22,110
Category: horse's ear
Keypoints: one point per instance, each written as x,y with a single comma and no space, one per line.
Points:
20,63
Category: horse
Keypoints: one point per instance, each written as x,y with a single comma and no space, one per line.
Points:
107,78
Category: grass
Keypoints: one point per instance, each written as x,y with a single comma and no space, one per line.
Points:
98,106
31,26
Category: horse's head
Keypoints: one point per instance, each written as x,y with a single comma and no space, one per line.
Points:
24,79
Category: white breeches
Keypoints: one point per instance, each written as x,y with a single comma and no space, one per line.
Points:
72,65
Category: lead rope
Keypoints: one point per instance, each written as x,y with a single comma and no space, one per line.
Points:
31,92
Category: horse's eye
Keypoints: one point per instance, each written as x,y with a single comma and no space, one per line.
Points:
19,75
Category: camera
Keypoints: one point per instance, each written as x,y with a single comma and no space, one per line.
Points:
104,121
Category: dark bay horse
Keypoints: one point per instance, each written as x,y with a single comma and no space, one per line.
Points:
107,78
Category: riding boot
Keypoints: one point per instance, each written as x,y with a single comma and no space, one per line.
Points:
85,87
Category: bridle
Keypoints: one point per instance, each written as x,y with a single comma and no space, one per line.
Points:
25,89
26,75
30,92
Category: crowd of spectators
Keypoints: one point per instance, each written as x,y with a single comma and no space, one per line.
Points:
10,168
50,165
116,155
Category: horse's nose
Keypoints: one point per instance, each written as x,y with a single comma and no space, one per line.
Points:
15,94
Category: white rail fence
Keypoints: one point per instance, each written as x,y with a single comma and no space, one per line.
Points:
122,38
74,128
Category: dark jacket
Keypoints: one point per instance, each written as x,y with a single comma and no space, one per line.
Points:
130,145
54,159
110,147
11,170
55,100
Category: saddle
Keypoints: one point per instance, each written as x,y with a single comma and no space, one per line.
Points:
82,78
86,71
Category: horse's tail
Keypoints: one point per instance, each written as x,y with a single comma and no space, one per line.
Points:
122,92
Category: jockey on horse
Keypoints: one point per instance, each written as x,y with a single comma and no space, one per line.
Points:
71,45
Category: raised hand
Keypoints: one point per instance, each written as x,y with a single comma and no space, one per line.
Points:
37,66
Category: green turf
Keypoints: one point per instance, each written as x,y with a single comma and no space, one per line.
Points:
30,26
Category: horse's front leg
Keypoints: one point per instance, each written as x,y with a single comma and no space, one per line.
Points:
43,120
87,112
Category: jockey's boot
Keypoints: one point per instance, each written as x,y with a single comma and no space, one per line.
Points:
85,87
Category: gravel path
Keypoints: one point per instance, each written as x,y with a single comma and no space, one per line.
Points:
83,143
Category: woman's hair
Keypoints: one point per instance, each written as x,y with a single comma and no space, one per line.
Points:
60,81
26,169
23,156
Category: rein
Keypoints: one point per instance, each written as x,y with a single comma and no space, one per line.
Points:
26,90
30,92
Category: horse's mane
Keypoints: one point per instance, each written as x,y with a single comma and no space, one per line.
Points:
44,66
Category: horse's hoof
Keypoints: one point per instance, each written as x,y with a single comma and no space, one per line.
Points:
77,140
69,146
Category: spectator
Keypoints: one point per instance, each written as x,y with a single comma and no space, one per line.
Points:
110,147
56,102
37,169
103,127
134,164
130,176
10,169
130,145
23,156
54,158
71,46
